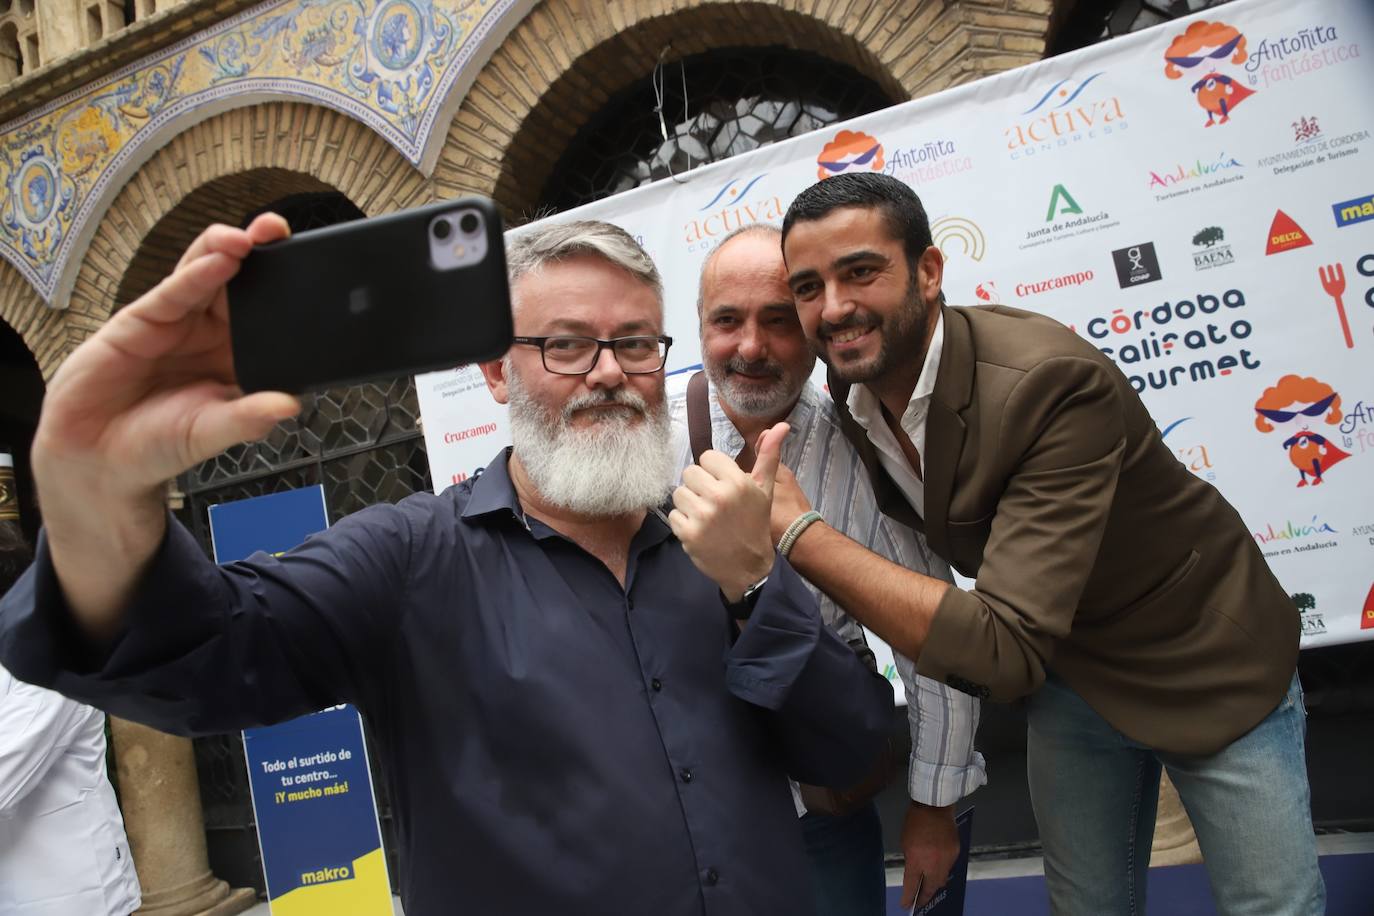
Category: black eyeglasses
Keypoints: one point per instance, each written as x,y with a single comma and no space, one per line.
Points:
566,355
1283,416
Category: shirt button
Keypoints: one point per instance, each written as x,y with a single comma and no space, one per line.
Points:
712,877
686,775
656,684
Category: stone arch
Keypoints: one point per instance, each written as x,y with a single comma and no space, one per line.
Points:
46,332
567,58
224,168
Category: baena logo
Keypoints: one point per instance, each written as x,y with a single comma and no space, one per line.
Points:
1065,113
958,235
1136,265
851,149
1349,212
736,203
1293,407
1285,235
1311,619
1192,454
1209,45
1208,250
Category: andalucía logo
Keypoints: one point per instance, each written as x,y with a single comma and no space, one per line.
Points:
1293,407
1349,212
1068,112
1201,48
1209,251
851,149
1189,178
1285,235
1288,531
736,203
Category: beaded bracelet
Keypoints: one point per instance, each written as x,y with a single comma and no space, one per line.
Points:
794,531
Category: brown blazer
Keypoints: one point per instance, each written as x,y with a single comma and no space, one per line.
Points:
1095,551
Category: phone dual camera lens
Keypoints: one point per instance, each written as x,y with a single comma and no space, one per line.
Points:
468,224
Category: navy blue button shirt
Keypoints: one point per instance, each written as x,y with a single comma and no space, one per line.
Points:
553,742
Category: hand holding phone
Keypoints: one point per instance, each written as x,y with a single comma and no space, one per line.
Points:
394,295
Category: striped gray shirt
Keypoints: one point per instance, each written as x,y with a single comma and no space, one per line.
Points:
944,766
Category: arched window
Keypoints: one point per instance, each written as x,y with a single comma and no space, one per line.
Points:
1086,22
737,99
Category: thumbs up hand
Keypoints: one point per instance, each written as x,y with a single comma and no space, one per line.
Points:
721,515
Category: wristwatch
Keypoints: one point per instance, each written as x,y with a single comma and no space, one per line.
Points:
741,609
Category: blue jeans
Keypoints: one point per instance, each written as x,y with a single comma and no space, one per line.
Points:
846,855
1095,791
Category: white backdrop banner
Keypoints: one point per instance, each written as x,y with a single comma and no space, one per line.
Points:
1196,199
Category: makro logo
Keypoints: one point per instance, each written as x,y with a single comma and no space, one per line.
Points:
1203,47
1136,264
1193,455
1199,175
1148,343
326,875
738,202
1063,281
1209,249
851,149
1349,212
1065,113
1285,235
958,235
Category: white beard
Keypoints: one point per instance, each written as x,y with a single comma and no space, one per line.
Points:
621,464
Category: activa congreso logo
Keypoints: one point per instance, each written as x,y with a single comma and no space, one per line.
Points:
736,203
1069,111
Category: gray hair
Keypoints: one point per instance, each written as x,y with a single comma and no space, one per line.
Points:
749,229
529,251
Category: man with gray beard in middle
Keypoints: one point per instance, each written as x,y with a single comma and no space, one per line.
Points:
758,364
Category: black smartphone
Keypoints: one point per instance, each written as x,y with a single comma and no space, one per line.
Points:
407,292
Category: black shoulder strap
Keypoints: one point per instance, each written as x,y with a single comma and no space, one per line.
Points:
698,414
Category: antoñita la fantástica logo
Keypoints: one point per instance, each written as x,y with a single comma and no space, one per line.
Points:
1202,48
851,149
1304,410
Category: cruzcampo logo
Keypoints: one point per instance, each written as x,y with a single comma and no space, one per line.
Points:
1061,203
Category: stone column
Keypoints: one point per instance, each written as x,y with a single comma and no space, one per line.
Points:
160,799
1175,843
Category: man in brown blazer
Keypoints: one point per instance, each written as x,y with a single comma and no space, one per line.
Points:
1123,595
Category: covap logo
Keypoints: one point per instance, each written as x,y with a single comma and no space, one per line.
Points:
851,149
1210,44
1293,407
1066,112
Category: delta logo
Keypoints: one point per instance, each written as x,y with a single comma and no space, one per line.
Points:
1285,235
1367,615
1202,48
850,150
1065,113
737,203
1349,212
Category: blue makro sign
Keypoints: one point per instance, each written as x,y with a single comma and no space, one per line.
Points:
312,789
